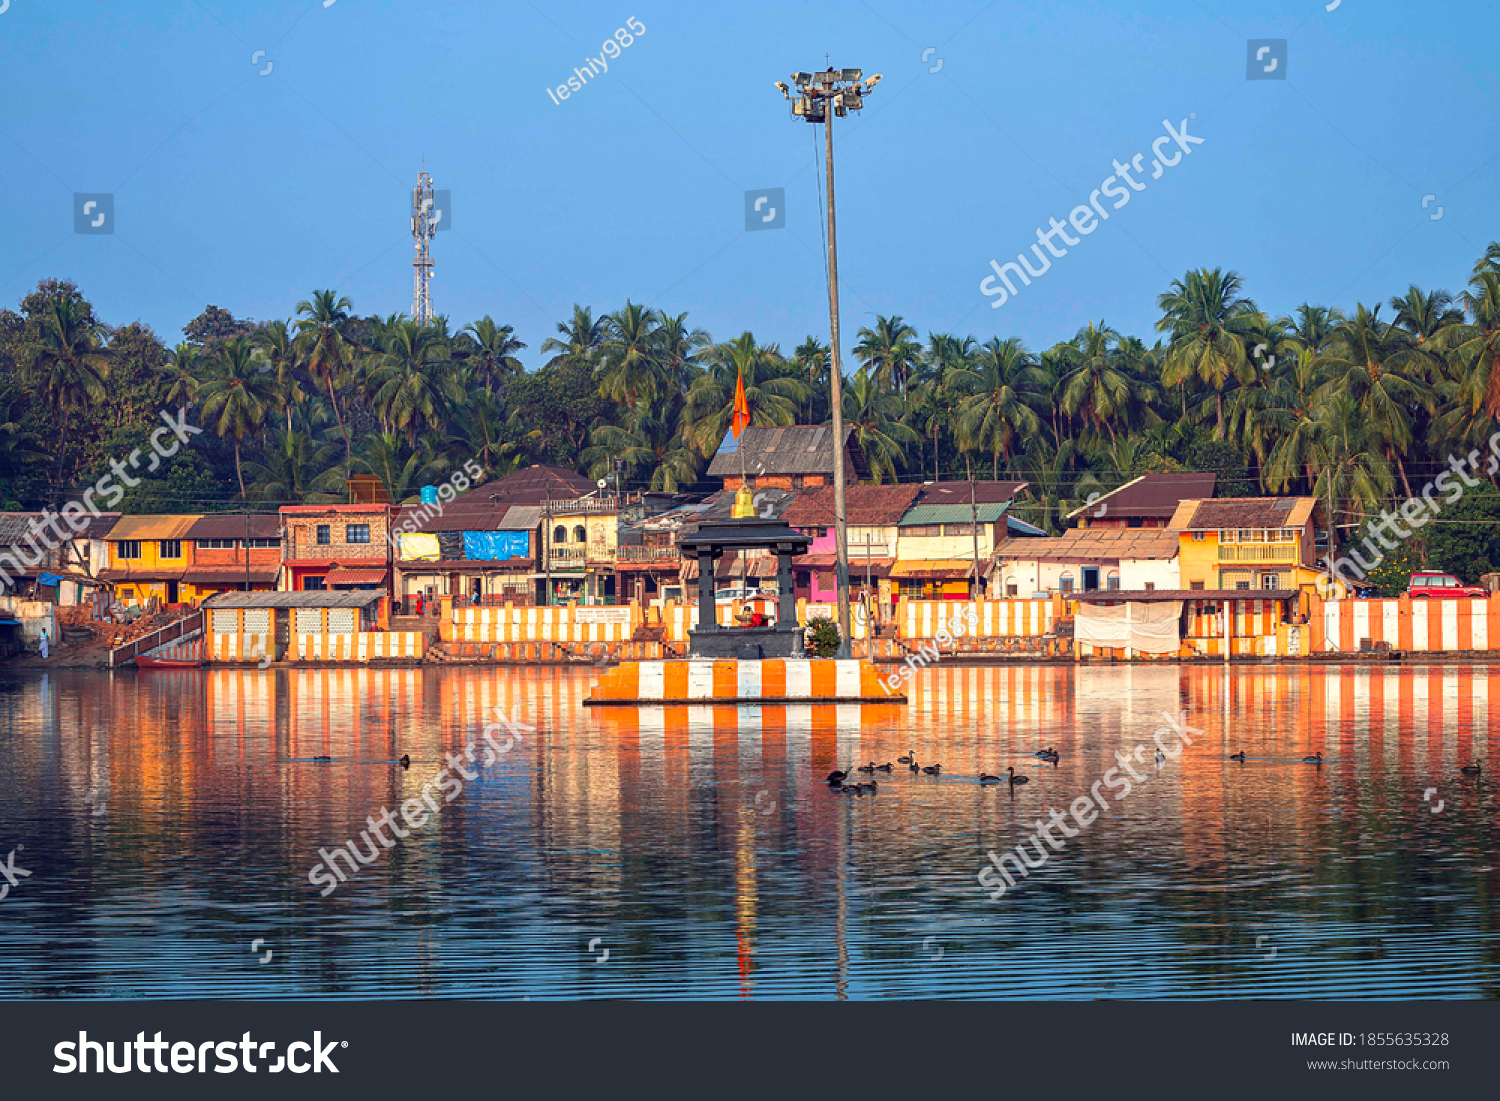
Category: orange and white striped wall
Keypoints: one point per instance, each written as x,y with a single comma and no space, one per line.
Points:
994,618
238,648
361,647
1467,624
562,623
700,681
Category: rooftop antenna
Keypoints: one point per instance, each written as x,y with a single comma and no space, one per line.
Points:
423,226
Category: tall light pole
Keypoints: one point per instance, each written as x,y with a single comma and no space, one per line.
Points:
820,98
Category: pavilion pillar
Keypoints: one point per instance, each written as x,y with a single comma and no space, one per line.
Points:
786,593
708,618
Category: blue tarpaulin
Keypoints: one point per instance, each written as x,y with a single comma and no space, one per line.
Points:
484,545
48,579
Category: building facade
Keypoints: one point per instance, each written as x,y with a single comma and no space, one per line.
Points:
336,547
1236,543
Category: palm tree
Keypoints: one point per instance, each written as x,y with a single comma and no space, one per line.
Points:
876,416
1474,347
890,350
1312,328
648,446
1209,323
298,468
813,361
321,336
492,359
709,407
995,411
410,380
1348,464
582,337
235,396
630,370
66,363
1094,388
183,368
1381,370
277,344
1424,313
480,432
403,468
679,351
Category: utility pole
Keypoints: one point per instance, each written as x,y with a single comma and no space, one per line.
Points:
820,98
974,525
246,547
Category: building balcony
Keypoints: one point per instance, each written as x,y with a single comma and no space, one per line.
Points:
1260,552
649,554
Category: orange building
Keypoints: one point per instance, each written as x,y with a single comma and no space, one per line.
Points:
234,552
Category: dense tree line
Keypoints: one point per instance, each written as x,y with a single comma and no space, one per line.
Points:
1359,409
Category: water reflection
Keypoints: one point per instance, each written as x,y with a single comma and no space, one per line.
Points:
171,818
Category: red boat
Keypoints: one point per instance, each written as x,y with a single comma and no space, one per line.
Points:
145,661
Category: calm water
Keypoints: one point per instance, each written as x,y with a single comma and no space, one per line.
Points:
170,819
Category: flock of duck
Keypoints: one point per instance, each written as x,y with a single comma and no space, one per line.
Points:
837,778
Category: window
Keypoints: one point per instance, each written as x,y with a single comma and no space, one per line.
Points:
1112,581
560,534
1226,537
922,530
325,535
1065,583
580,534
1199,536
1011,589
1246,535
1151,586
262,544
1285,535
1196,585
214,544
129,549
169,548
1270,581
797,481
1242,584
314,584
356,533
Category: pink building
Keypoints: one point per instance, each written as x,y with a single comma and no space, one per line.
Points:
872,513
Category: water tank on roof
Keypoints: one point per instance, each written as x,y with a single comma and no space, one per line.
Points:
429,495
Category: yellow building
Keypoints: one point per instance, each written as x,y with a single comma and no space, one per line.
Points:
149,556
1265,543
582,544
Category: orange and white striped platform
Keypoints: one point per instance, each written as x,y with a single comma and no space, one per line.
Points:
731,681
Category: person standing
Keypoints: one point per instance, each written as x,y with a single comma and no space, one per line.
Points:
44,643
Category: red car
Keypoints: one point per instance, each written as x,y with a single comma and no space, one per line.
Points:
1441,585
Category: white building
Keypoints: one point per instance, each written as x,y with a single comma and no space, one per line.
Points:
1086,560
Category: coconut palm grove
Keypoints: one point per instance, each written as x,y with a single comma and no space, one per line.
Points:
1360,407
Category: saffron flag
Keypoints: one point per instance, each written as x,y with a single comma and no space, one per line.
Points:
741,408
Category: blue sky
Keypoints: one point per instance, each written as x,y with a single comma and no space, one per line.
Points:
250,191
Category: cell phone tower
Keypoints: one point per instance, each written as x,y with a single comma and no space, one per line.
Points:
423,226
